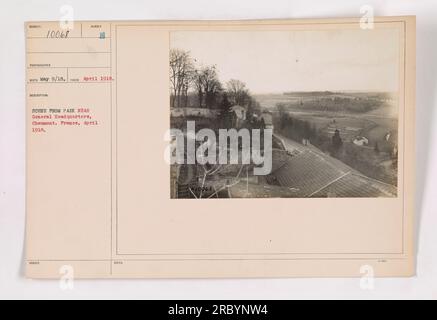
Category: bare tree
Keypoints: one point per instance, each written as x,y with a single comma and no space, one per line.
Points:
207,85
198,84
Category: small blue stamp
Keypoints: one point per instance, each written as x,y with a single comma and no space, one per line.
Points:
102,35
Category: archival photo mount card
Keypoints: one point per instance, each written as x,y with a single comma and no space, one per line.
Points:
198,149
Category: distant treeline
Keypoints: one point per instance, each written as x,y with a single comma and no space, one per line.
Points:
352,94
309,93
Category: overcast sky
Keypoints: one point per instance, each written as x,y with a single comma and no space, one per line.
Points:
277,61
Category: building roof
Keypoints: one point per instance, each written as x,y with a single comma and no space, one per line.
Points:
357,186
244,190
307,172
